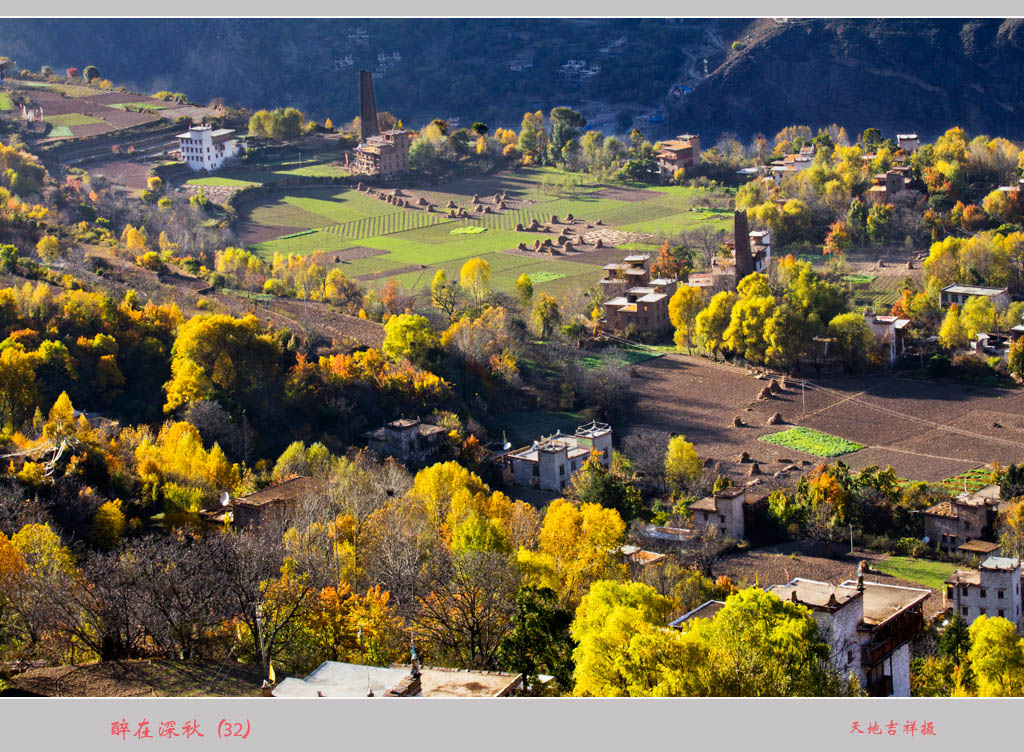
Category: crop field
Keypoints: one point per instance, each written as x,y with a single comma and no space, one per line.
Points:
5,102
809,441
416,243
931,574
925,431
221,181
73,118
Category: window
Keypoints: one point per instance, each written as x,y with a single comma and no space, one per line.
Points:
983,592
1000,595
949,592
1000,612
963,610
536,470
849,656
561,469
721,518
963,590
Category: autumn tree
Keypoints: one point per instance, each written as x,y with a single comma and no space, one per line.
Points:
978,315
712,322
997,657
409,336
475,278
683,307
682,465
545,315
854,338
48,248
953,333
445,296
524,289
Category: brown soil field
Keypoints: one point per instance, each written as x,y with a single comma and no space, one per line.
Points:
129,174
251,233
777,565
92,129
389,273
347,254
626,194
925,431
156,678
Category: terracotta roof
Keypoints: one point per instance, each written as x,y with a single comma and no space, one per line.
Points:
942,509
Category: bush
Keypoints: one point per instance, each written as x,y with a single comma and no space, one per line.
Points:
737,45
938,365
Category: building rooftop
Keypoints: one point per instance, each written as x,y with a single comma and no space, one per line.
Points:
1000,563
882,602
974,290
653,297
288,490
335,679
637,257
819,595
978,547
707,504
706,610
942,509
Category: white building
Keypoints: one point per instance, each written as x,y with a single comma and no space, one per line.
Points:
908,141
868,625
203,148
724,511
549,463
992,590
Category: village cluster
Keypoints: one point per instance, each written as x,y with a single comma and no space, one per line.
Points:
479,433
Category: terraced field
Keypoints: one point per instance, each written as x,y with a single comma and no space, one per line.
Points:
416,242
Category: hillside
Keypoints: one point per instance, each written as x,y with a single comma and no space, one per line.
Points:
493,70
897,75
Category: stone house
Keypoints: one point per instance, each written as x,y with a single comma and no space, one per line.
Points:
633,299
959,294
725,510
549,463
408,440
991,590
969,517
276,502
868,625
680,152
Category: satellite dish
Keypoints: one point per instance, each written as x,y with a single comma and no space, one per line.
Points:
926,539
507,445
225,498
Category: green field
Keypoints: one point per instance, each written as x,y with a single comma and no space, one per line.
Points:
61,131
73,118
881,292
150,105
618,358
220,181
5,102
524,427
931,574
418,243
809,441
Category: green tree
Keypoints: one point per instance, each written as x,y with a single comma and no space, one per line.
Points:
955,640
524,289
595,484
879,220
539,642
566,125
445,296
90,73
409,336
857,220
854,339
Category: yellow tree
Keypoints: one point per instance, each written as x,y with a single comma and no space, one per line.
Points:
577,546
683,308
952,333
475,277
48,248
682,465
997,657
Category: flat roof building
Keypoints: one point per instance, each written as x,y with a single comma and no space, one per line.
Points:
336,679
549,463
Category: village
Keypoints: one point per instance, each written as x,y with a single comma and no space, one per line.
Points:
443,402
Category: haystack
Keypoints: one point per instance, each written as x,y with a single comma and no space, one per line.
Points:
519,227
755,469
599,243
737,422
744,457
554,219
765,394
775,420
521,246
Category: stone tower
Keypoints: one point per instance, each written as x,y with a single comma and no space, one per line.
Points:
744,258
367,107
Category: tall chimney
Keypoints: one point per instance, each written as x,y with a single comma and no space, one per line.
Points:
744,258
367,107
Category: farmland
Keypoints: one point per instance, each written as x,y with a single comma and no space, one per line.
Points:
415,243
931,574
925,431
809,441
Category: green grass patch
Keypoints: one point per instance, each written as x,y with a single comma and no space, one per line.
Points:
469,230
248,295
809,441
5,102
61,131
316,171
618,358
524,427
221,181
931,574
543,276
73,118
859,279
142,105
297,234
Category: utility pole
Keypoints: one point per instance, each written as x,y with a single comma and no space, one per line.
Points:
851,540
263,649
